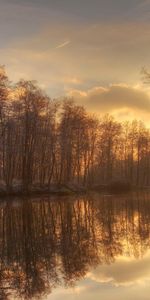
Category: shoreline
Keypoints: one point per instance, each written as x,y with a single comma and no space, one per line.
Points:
68,191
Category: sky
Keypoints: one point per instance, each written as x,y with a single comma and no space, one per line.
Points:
92,51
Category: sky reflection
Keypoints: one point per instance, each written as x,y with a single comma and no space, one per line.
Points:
126,279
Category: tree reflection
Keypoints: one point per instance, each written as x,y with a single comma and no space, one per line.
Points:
48,242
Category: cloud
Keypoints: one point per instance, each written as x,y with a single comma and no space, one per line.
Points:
100,53
120,99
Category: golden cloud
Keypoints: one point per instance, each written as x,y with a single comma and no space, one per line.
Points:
119,99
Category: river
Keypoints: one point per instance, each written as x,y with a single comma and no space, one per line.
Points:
84,247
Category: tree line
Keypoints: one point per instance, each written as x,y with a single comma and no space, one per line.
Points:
49,142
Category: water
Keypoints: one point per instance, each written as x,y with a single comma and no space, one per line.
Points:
82,247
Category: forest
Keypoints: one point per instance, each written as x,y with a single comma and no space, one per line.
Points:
48,142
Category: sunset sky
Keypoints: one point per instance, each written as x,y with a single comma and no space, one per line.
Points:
92,50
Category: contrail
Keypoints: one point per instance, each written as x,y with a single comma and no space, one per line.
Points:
63,45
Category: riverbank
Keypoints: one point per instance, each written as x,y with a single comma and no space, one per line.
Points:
61,190
66,190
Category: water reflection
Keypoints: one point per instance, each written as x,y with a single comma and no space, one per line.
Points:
46,243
